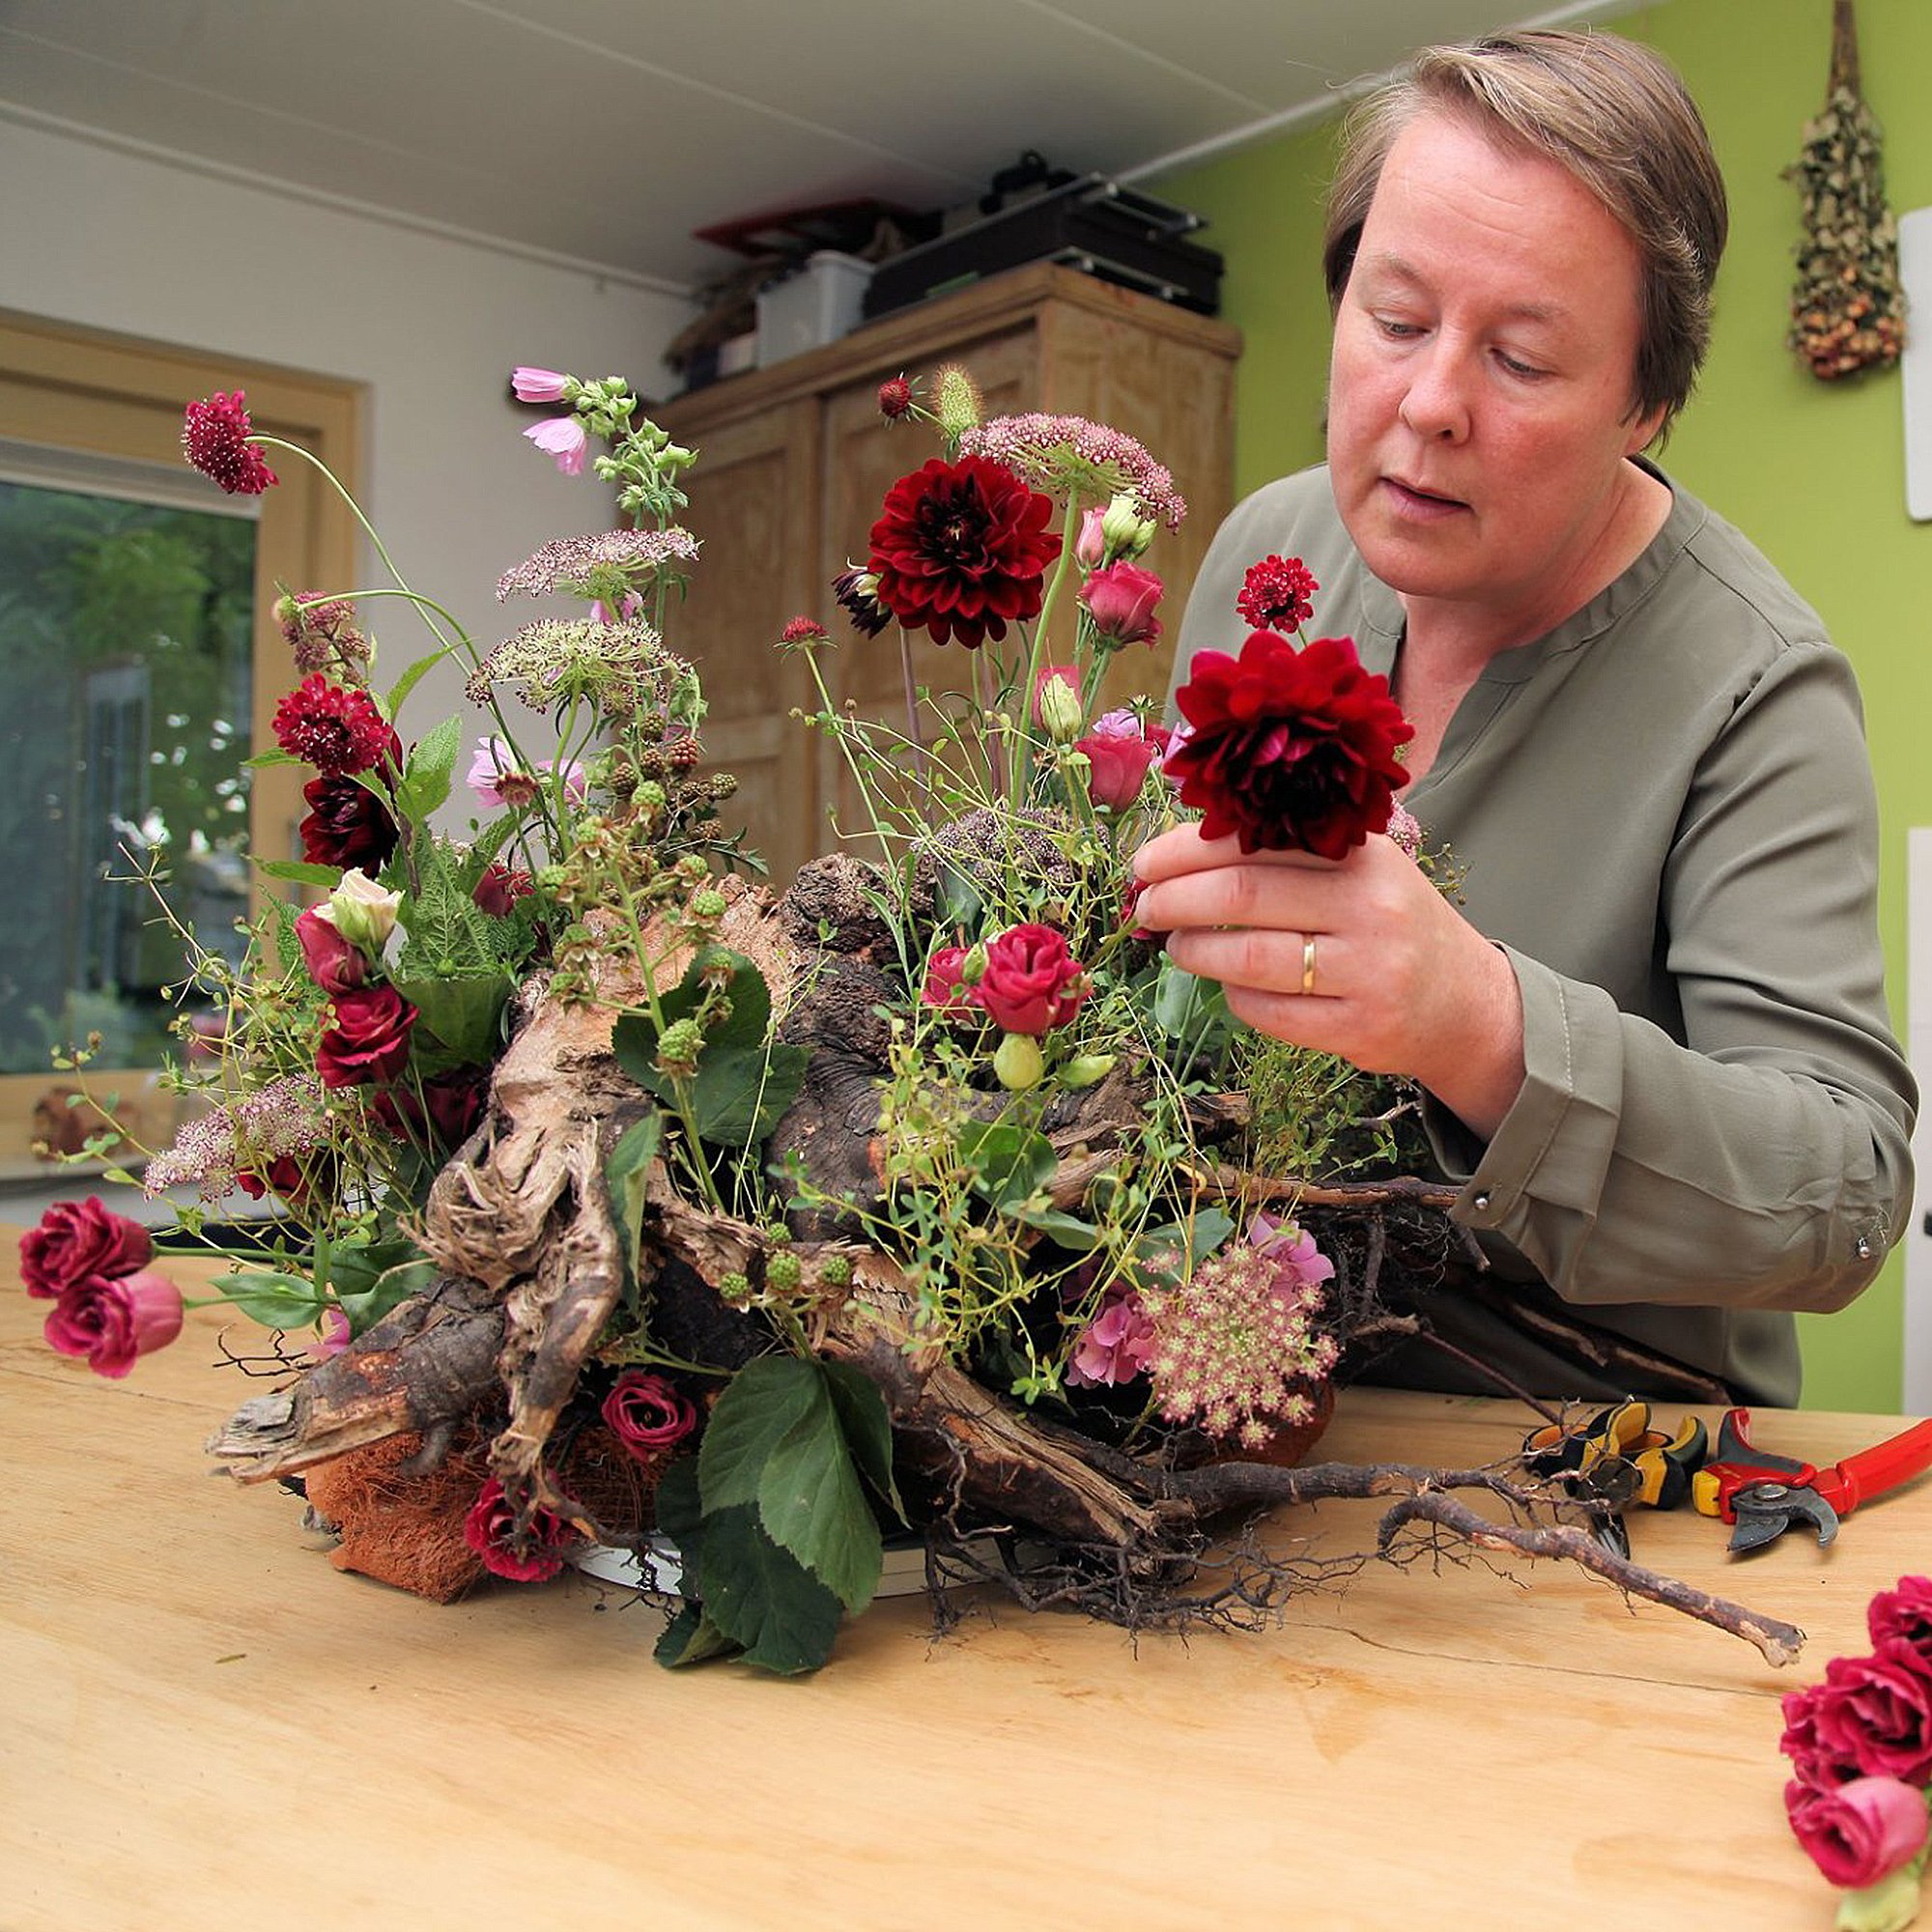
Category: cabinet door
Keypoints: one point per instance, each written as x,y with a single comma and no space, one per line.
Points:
754,508
864,456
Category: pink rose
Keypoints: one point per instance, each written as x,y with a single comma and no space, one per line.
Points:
646,1414
1904,1615
78,1238
1117,758
333,964
370,1039
943,989
113,1319
1871,1717
1091,545
490,1529
1116,1345
1121,600
1859,1832
1031,981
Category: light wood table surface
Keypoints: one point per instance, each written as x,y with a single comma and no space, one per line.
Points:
204,1725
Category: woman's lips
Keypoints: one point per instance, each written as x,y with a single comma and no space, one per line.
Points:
1411,499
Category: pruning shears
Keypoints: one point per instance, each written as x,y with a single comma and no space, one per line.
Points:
1614,1458
1762,1495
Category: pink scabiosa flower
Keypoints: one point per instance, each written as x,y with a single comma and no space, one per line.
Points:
491,1530
214,439
113,1320
1275,594
646,1414
1116,1346
1032,981
337,731
538,385
1118,756
564,440
1121,600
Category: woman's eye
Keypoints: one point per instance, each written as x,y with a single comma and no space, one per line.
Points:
1398,330
1528,371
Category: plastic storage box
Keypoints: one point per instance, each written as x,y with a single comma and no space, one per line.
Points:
823,301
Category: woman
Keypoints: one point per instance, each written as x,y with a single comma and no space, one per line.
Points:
1652,1031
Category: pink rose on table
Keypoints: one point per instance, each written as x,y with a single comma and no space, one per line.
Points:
646,1414
1871,1717
490,1529
370,1039
78,1238
112,1319
333,964
1859,1832
1121,600
1904,1615
1031,981
1118,755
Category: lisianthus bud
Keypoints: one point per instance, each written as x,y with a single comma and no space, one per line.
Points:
973,968
1123,531
1018,1064
1085,1070
1056,704
362,912
1090,547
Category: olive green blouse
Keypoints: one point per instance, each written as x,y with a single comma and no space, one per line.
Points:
1662,811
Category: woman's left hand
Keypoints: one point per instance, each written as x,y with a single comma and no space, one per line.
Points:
1361,957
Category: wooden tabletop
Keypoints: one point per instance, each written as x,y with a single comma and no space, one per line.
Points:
206,1725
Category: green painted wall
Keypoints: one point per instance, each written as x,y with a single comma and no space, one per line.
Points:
1814,472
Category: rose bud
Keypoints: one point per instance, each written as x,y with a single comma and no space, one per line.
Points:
334,964
114,1319
1859,1832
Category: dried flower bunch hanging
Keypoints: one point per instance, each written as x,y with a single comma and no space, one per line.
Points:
1847,308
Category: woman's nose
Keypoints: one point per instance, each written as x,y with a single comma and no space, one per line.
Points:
1436,403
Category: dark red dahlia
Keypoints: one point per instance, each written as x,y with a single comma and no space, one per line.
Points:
1275,594
214,439
858,591
1289,750
961,549
332,728
346,825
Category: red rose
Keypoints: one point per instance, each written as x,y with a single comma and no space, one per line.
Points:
1904,1615
1859,1832
1289,748
500,887
370,1039
1031,981
646,1414
333,964
113,1319
1121,600
961,549
943,989
78,1238
446,1114
491,1530
1871,1717
283,1175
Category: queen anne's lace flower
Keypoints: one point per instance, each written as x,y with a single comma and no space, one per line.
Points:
553,661
1062,454
574,563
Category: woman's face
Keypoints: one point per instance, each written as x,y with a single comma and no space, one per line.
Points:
1479,407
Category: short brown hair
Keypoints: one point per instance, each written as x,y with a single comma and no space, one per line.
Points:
1607,111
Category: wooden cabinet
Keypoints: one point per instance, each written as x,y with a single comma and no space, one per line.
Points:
796,461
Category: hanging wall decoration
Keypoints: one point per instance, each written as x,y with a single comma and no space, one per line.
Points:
1847,309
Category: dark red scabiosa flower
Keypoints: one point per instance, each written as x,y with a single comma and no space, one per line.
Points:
1031,979
858,592
1289,750
1275,594
803,631
646,1414
961,549
336,730
491,1530
895,398
369,1041
501,886
214,439
78,1238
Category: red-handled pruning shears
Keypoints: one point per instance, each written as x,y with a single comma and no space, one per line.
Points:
1763,1495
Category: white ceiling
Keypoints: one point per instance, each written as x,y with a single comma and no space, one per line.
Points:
601,132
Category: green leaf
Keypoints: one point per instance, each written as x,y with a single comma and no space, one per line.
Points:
810,1504
626,1175
275,1300
1067,1230
760,1597
426,779
303,874
1008,1163
960,906
692,1638
867,1425
410,678
679,1511
262,760
1188,1007
465,1011
365,1307
1204,1232
756,1410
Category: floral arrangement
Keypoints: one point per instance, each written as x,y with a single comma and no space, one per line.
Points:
1861,1751
623,1201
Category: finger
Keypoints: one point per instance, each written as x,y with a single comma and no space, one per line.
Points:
1184,850
1296,964
1273,896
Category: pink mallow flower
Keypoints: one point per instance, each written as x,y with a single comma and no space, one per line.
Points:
538,385
500,781
563,438
1859,1833
1118,755
1116,1345
1121,600
628,607
112,1319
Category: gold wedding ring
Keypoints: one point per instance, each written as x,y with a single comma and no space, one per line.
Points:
1307,964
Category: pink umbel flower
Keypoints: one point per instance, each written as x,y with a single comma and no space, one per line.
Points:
538,385
252,1132
579,564
113,1320
564,439
337,731
214,439
1063,454
500,780
1116,1346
